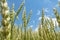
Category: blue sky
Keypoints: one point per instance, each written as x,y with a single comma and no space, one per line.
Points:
36,7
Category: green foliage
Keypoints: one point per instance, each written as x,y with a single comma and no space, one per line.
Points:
20,8
42,17
57,15
8,19
25,21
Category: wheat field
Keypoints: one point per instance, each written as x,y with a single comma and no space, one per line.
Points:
10,31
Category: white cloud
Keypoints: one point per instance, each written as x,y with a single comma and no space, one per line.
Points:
46,17
58,0
39,18
33,21
55,21
31,26
38,13
46,10
36,29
